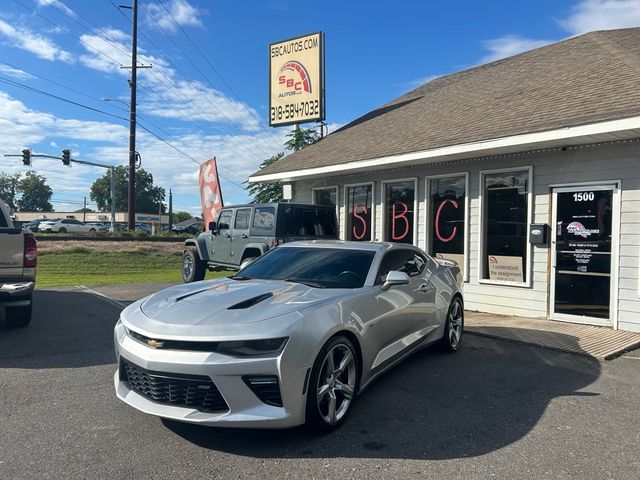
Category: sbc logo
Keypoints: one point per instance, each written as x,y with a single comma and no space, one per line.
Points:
295,78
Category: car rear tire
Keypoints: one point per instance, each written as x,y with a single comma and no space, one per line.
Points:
193,269
18,317
332,385
62,230
453,327
92,230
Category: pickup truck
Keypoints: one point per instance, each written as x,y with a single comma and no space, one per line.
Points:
18,257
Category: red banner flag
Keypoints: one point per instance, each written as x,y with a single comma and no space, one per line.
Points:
210,191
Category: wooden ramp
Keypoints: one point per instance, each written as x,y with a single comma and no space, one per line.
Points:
599,342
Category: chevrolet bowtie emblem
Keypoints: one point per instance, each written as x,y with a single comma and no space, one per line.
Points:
155,343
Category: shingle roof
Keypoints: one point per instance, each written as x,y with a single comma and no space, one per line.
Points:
581,80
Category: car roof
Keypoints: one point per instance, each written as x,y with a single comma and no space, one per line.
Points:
348,245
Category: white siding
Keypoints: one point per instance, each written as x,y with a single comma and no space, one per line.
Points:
603,163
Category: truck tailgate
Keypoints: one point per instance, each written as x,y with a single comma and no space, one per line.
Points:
11,253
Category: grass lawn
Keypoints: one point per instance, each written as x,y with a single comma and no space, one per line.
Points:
82,266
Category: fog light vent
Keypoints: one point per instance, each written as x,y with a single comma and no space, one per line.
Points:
265,387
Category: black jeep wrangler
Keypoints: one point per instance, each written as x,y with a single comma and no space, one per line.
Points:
244,232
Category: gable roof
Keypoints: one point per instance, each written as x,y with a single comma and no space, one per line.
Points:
579,81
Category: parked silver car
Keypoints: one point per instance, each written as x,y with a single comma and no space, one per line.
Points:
291,338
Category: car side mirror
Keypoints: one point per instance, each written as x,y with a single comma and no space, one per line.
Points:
246,262
212,226
395,277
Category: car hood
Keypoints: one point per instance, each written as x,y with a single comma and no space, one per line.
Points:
224,308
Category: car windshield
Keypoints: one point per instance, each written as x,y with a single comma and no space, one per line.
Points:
316,267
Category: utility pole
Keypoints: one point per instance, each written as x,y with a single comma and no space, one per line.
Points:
170,210
131,215
84,211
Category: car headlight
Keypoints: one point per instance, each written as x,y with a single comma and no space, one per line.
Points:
248,348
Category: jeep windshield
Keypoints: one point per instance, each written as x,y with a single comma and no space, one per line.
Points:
312,266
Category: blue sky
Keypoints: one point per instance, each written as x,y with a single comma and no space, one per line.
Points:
206,94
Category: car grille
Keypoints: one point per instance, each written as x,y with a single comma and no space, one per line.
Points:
193,391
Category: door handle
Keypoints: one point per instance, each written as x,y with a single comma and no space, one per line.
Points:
226,235
244,236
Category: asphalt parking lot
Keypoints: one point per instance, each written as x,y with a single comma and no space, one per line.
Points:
493,410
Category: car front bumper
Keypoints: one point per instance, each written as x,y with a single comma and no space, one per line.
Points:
245,409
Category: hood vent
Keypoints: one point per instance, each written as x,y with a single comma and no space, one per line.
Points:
250,302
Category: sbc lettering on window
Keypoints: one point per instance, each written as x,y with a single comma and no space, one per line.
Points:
399,211
359,209
446,212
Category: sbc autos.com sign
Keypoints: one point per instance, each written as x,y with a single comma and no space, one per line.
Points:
296,80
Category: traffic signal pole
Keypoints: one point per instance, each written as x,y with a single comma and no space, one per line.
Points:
27,157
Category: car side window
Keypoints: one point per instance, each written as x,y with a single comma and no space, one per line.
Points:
263,218
224,220
242,219
406,261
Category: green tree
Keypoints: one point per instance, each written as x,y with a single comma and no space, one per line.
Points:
181,217
266,192
8,186
35,194
301,138
148,197
272,192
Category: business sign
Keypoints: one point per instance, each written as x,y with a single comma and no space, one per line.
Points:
296,80
210,191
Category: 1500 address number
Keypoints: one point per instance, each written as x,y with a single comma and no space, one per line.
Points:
293,111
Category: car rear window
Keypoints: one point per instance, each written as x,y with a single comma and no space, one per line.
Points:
311,221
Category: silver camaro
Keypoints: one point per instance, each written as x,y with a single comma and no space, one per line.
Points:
291,338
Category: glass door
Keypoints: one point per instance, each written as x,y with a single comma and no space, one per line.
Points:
582,254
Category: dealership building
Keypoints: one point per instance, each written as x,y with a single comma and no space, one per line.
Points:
525,171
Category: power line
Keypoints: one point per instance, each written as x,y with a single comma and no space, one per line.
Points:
206,59
42,92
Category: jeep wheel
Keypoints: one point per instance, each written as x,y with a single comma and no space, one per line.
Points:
193,269
18,317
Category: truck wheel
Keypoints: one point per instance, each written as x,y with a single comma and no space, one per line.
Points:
18,317
193,268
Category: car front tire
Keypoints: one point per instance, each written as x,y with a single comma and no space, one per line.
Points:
18,317
193,269
453,327
62,230
332,385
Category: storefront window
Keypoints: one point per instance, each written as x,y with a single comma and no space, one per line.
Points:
326,196
359,212
447,215
505,206
399,211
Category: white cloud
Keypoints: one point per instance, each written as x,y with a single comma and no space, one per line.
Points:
169,95
58,4
184,14
15,72
37,44
418,82
508,46
590,15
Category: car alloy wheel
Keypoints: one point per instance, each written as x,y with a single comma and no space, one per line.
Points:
333,384
454,326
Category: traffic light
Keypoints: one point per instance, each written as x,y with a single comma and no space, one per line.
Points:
66,157
26,156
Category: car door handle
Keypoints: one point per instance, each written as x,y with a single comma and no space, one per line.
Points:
244,236
226,235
